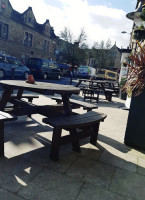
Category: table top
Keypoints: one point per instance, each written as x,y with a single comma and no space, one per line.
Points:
41,86
97,81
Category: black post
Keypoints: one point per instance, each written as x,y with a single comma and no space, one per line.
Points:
13,72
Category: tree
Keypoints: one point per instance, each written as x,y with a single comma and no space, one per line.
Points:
74,51
100,51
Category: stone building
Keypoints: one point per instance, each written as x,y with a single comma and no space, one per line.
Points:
21,36
106,58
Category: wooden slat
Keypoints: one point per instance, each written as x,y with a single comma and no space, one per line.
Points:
78,102
74,120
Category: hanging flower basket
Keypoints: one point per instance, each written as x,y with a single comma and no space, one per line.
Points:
136,79
139,34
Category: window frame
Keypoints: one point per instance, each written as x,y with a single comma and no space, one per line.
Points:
3,30
26,41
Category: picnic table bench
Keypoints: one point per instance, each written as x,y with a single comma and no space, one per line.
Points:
77,103
4,117
78,125
89,93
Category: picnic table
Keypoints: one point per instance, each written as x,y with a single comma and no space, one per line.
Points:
98,86
39,87
59,116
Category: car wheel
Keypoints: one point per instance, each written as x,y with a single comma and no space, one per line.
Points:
59,77
2,74
26,75
45,76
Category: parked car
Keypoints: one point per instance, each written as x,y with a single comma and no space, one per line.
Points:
41,68
11,66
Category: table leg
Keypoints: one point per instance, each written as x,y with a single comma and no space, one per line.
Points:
94,134
5,97
78,84
1,138
20,93
66,104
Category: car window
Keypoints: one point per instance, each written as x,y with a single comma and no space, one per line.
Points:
10,60
44,64
53,66
3,60
33,62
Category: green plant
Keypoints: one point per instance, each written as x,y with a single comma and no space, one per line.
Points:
139,34
142,15
136,78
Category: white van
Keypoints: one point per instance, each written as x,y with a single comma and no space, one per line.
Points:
86,71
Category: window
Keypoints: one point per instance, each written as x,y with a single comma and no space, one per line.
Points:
45,45
29,19
53,65
112,63
4,30
28,37
0,29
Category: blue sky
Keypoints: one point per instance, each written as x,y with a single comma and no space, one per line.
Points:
101,19
126,5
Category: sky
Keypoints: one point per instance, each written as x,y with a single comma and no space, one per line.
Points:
101,19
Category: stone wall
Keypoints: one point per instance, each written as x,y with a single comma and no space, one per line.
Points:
14,44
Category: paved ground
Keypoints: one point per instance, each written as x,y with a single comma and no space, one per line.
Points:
109,171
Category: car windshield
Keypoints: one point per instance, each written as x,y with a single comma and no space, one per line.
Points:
101,72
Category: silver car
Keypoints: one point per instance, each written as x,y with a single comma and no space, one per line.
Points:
11,67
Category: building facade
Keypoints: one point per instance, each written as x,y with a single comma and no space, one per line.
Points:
21,36
106,58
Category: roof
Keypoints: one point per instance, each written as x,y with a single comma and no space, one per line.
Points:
18,17
126,50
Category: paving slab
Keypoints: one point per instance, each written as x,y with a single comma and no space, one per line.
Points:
91,171
141,166
51,185
90,151
5,195
15,173
91,192
41,157
118,159
18,146
128,184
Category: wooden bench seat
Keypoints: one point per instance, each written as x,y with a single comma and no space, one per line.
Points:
75,102
88,125
89,93
4,117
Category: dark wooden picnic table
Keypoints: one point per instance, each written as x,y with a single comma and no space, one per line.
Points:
78,125
39,87
95,81
96,86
